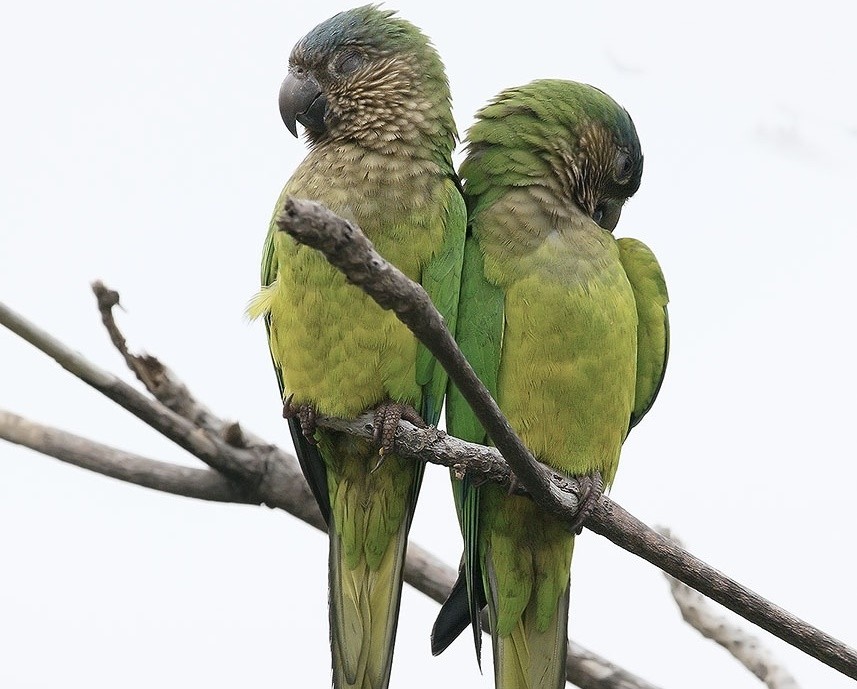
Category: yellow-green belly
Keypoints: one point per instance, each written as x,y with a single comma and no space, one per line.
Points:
568,370
566,383
337,348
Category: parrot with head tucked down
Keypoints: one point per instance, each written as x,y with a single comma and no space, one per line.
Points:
567,327
372,95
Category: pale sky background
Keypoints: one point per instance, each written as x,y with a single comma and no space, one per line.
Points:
140,143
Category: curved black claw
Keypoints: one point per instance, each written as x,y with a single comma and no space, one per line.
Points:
592,488
305,414
387,417
514,484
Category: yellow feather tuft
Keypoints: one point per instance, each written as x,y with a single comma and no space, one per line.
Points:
260,304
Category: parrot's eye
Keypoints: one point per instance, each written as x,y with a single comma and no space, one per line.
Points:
598,214
348,63
623,166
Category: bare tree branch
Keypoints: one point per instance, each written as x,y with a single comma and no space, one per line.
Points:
347,248
611,521
163,385
204,484
745,647
273,477
209,448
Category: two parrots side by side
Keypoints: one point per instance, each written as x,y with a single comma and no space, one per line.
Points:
565,324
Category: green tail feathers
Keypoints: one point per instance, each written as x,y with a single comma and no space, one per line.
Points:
531,656
371,511
527,583
364,609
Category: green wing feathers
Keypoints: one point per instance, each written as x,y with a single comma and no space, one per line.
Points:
653,329
480,336
441,278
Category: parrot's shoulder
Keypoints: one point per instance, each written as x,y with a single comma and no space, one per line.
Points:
642,266
653,330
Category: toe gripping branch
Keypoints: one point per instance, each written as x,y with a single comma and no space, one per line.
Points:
591,490
306,415
587,488
387,417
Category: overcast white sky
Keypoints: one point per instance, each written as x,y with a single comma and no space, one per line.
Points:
141,144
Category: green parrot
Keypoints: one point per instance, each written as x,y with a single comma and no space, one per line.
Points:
372,95
567,327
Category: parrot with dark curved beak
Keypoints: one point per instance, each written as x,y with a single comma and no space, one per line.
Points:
567,327
372,96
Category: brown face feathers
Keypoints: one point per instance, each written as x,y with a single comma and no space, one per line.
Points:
596,170
382,82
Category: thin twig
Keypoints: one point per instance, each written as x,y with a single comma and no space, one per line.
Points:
346,247
160,381
745,647
180,430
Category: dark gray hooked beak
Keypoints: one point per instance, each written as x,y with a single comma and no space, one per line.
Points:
302,100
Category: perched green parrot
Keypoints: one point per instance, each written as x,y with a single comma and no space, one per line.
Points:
372,95
567,327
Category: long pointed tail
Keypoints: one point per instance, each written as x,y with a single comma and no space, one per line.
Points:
364,611
528,658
